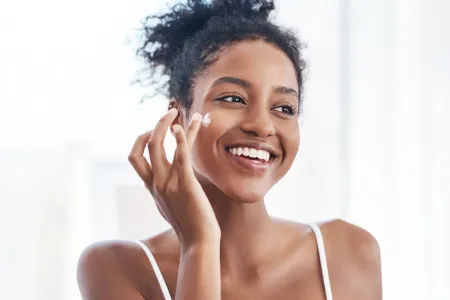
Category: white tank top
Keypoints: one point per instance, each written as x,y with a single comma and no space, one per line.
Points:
320,248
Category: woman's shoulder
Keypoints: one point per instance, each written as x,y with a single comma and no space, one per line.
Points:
349,239
340,232
344,239
123,265
337,230
353,256
345,242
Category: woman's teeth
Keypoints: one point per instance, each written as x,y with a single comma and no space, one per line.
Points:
250,152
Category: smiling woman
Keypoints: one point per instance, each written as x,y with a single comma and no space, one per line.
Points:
228,61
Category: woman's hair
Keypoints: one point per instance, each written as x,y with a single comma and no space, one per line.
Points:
184,41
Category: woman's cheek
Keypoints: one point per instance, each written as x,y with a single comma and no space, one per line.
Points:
291,144
207,150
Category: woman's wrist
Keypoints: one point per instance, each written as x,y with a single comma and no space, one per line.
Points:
205,244
207,237
199,270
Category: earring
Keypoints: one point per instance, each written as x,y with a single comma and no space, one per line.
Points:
170,106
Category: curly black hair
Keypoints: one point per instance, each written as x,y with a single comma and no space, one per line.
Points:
183,42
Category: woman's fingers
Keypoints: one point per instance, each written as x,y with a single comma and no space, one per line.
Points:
156,149
181,160
182,167
137,159
194,126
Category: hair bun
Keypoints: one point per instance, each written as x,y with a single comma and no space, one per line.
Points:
247,8
165,34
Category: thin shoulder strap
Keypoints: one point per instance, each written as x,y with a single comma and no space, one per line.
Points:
156,269
323,260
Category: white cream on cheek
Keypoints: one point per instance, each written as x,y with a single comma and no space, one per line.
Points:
206,120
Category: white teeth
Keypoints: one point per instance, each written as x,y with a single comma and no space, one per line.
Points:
250,152
261,154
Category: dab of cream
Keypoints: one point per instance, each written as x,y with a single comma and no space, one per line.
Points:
206,120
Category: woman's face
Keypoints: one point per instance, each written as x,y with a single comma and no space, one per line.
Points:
251,95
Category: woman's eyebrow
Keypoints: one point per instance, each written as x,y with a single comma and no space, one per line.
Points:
233,80
285,90
246,84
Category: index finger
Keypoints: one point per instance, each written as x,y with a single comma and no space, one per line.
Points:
192,130
156,150
137,159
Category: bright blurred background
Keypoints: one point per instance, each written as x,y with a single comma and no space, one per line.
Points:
375,135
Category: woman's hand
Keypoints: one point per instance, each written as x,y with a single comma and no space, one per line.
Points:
174,187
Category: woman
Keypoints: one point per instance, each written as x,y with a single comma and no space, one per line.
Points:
235,84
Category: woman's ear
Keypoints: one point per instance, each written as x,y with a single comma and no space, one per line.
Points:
181,118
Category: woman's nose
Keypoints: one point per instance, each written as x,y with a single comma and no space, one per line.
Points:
258,122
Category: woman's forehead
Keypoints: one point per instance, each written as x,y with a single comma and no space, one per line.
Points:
257,62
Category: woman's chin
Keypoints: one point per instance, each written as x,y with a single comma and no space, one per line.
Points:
246,190
246,194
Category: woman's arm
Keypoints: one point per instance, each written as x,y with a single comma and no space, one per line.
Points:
357,262
100,278
199,272
367,261
183,203
101,275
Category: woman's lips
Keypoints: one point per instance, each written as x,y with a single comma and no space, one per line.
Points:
251,165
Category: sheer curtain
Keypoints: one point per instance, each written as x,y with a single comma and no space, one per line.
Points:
397,66
374,149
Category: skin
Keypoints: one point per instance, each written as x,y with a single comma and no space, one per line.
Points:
223,244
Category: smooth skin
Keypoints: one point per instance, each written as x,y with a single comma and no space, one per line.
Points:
223,244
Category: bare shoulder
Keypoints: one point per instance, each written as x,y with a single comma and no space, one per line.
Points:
353,255
118,270
345,239
100,272
351,239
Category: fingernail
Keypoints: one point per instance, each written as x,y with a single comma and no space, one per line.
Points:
195,117
176,128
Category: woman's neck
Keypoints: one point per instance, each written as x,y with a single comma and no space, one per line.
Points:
246,231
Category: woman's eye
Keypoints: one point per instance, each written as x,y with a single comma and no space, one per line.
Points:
285,109
232,99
